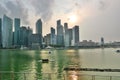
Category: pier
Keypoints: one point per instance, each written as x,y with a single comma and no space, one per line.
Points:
90,69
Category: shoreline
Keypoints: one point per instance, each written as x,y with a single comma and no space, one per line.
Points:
60,48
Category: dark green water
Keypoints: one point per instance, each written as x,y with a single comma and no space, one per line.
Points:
29,61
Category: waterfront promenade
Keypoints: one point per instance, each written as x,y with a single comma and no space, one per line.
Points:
51,76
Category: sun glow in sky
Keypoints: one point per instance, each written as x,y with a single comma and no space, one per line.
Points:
72,18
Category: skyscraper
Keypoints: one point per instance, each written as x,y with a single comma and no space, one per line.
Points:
60,37
66,35
47,39
7,33
17,31
75,39
0,32
39,27
39,30
23,36
53,37
102,41
70,36
29,34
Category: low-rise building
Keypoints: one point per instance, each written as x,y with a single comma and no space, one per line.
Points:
34,41
86,43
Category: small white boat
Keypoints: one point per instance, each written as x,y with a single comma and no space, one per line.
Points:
23,48
49,47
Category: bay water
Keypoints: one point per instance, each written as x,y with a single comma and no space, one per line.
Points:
29,61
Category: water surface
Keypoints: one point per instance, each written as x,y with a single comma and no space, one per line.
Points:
28,61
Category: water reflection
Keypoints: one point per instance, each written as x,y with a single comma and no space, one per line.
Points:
72,75
27,61
74,62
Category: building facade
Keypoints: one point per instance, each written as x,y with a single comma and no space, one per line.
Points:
53,36
102,41
23,36
17,31
7,33
29,33
34,41
0,33
70,36
60,35
39,30
47,39
66,35
86,43
39,27
75,34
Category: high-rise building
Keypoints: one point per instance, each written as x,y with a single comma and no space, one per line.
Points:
75,39
70,36
39,30
17,31
23,36
0,32
47,39
66,35
60,37
34,41
102,41
29,33
7,33
53,37
39,27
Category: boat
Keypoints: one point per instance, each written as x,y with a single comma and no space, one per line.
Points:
49,47
44,60
23,48
117,50
49,52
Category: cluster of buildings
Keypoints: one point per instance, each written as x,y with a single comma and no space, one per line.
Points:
64,36
23,36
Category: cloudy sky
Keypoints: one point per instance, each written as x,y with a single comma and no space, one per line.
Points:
96,18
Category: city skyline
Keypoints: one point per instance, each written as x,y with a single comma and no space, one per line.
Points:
96,18
24,36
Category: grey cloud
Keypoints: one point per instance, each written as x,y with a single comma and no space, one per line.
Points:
2,10
68,11
16,9
43,8
102,5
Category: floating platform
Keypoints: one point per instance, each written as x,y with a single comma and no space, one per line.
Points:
118,51
91,69
44,60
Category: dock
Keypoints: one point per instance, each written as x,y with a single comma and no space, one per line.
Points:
90,69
